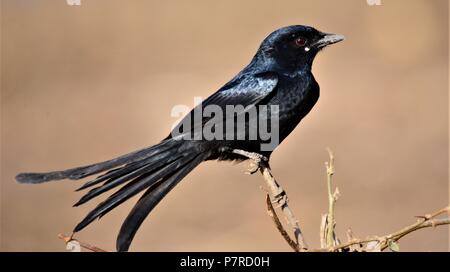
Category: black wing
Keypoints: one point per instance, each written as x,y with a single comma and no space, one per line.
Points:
246,90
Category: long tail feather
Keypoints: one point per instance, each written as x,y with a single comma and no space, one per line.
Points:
157,168
149,200
134,187
84,171
114,182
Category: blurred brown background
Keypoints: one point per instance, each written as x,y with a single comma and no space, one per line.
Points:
85,84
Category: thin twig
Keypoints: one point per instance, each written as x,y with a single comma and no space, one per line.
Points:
323,231
425,222
276,220
330,218
332,198
68,239
350,237
278,194
280,197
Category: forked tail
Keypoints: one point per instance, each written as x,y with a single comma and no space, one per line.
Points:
156,169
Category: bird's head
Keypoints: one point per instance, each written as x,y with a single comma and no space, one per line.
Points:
294,47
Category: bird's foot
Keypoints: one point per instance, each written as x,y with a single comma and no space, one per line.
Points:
257,160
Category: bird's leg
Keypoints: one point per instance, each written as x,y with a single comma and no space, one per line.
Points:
256,160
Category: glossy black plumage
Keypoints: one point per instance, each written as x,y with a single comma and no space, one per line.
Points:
279,74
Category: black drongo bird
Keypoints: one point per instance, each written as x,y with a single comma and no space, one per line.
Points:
279,74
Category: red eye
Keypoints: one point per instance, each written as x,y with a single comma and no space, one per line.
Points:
300,41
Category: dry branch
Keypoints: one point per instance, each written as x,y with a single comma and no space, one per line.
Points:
328,238
385,241
329,222
278,195
276,220
74,243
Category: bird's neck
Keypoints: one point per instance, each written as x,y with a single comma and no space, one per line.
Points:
290,69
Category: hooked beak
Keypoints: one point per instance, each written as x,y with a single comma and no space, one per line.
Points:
328,39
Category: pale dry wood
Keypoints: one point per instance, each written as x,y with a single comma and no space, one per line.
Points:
327,230
68,239
323,231
350,237
276,220
383,241
277,193
330,223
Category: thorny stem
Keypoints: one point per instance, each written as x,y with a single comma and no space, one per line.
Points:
332,197
328,236
276,220
384,240
278,194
